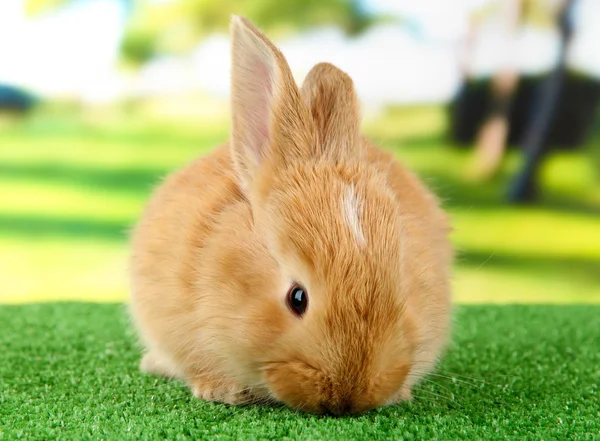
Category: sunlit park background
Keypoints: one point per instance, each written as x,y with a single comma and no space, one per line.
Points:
99,99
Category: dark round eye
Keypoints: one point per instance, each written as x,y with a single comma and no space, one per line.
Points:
297,299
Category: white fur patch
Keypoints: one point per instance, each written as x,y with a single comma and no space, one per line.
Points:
352,216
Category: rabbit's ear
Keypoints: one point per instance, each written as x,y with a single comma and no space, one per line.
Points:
330,96
270,121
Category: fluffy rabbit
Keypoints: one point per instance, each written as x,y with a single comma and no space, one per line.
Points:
298,263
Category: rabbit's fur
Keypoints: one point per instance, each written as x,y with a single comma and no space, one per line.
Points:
297,196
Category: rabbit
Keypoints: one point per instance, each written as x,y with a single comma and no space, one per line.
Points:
297,264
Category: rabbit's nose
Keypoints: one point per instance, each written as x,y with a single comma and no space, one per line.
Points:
339,408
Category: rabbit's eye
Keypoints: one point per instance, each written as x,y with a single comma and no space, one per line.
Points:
297,299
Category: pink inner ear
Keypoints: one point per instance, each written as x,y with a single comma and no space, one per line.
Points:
261,115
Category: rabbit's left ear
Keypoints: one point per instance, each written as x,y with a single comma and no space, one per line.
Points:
270,121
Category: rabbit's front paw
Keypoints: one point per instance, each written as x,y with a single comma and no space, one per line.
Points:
221,390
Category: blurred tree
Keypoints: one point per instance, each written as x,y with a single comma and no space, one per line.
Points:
15,100
36,7
176,25
536,13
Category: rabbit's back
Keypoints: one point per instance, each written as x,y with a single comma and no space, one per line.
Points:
187,211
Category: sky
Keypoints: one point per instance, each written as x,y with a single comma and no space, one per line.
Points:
71,50
74,51
434,18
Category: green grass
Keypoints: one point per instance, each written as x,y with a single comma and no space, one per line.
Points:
69,371
71,187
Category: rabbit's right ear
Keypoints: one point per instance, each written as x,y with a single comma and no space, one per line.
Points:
270,121
331,99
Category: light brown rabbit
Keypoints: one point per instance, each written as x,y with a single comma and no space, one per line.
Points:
298,263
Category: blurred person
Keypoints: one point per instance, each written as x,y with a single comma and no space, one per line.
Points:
510,19
493,134
535,145
505,21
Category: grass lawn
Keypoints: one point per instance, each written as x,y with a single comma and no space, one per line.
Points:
514,372
70,188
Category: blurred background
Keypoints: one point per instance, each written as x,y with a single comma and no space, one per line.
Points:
493,102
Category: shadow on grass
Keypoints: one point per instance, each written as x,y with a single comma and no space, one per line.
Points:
40,226
457,191
129,180
136,135
584,270
454,190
